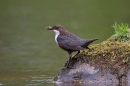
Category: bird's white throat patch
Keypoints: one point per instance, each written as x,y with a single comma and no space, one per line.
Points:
57,33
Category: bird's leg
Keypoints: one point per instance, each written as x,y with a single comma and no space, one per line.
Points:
76,53
87,48
68,62
70,55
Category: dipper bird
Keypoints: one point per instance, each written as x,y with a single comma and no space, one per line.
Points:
68,41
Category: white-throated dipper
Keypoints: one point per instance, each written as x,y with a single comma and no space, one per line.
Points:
68,41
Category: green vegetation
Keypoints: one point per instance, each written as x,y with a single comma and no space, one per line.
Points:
122,33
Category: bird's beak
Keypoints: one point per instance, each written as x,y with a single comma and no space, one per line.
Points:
49,28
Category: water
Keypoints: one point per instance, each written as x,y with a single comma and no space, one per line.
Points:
29,55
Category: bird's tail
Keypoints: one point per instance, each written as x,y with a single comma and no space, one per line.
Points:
87,42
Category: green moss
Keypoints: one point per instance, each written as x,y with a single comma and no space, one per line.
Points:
114,51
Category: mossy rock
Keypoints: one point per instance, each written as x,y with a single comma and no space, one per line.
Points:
106,62
109,51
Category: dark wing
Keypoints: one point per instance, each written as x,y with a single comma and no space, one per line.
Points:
69,43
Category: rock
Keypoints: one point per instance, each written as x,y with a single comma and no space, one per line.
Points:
107,62
104,64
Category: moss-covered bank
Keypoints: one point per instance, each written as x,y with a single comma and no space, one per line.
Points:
108,61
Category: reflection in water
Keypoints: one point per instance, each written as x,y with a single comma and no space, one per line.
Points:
43,80
38,80
96,84
32,81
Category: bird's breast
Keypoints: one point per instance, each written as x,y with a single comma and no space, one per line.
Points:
57,33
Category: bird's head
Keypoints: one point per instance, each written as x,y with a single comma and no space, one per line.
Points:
57,28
